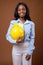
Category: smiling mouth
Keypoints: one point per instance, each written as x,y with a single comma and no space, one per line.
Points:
22,14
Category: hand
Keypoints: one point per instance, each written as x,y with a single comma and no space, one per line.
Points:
19,40
28,57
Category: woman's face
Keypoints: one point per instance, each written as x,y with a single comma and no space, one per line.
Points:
21,11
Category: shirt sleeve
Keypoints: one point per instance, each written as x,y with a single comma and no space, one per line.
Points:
8,37
32,39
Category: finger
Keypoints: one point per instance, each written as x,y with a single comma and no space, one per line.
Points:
27,58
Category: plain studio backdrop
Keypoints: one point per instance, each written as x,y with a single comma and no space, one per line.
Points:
6,15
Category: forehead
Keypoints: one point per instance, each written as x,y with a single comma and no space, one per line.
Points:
21,6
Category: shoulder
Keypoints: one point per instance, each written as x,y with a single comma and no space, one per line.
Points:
31,22
13,21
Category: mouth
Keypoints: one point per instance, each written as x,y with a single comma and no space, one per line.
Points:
22,14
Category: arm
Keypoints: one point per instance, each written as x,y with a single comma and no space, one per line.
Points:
8,37
32,38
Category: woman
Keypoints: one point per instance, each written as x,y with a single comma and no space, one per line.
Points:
22,49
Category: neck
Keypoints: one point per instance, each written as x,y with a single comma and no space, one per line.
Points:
22,19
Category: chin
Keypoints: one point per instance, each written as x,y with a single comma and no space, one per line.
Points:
22,16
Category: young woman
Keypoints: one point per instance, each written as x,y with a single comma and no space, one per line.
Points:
22,49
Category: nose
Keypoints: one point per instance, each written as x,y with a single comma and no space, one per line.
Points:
21,11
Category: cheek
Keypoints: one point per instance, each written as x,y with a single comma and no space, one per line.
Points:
18,12
24,12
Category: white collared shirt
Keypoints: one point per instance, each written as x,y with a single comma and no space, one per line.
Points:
29,28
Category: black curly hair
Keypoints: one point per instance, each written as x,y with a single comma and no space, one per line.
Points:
16,16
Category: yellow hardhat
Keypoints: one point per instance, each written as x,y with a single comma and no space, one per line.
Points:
17,31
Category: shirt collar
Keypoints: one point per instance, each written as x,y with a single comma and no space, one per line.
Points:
26,22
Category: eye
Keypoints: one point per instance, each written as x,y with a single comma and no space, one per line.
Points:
21,7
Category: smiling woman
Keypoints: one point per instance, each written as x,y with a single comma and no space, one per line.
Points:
23,49
22,8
